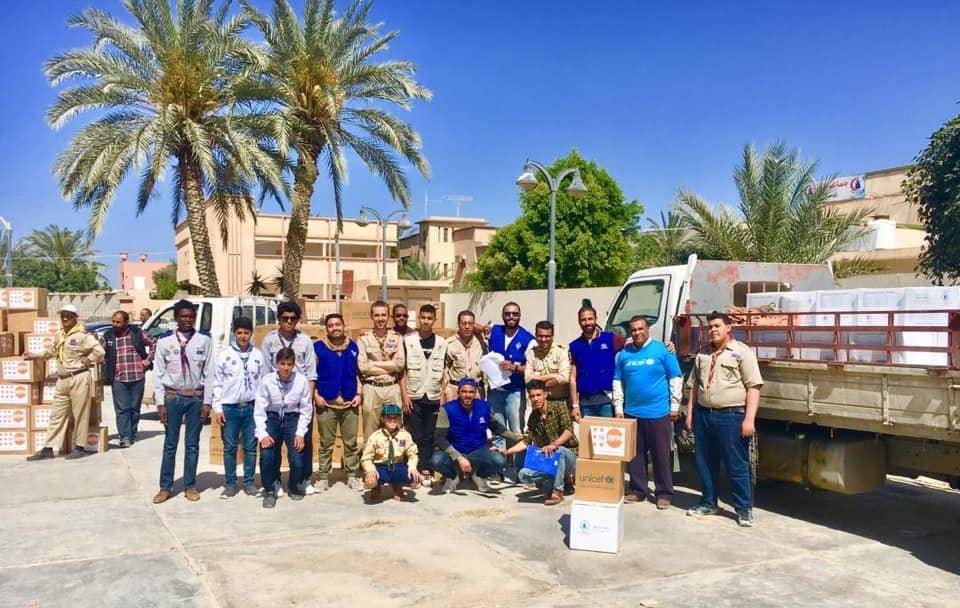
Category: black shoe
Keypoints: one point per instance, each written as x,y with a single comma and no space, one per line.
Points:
43,454
269,500
125,443
229,491
295,495
77,453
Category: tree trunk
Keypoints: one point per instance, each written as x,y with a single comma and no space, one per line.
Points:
197,224
305,176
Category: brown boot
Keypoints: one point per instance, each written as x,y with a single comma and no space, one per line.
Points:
191,494
555,498
397,491
162,496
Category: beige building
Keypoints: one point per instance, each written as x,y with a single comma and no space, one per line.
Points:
896,233
258,246
453,244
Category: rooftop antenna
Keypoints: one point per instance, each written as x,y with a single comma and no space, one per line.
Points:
458,199
426,203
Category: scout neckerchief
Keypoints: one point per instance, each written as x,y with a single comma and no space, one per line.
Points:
184,360
244,358
284,388
284,343
391,455
77,328
713,363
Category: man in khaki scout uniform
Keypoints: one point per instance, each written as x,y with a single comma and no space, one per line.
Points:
76,351
549,362
724,396
380,362
463,356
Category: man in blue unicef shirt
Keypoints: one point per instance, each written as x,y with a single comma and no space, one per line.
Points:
647,386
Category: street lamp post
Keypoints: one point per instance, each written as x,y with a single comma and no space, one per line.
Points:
8,269
383,221
528,181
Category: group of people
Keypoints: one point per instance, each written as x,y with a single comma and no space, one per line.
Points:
413,408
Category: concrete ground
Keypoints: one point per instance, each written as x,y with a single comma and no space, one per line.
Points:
86,533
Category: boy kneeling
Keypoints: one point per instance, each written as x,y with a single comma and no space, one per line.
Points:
390,456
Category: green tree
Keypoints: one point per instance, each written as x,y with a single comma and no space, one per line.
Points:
330,97
34,272
933,185
64,248
417,269
257,285
165,282
782,216
162,89
673,237
595,234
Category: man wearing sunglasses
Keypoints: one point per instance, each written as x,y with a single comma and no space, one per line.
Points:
288,336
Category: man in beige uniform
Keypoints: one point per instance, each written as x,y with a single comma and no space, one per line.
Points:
463,356
380,363
76,352
724,396
549,362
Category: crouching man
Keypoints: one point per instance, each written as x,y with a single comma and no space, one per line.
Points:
461,437
390,456
550,428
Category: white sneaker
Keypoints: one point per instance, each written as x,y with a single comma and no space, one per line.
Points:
320,486
426,481
482,486
306,487
355,483
277,488
449,485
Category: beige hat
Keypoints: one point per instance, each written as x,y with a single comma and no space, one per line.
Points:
69,308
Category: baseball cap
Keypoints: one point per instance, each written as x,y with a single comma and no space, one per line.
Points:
69,308
391,409
468,381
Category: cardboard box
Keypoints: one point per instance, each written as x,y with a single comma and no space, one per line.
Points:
40,417
37,343
15,369
4,315
14,442
97,438
37,439
9,346
608,438
15,417
50,367
24,298
48,326
20,321
600,480
596,526
19,394
46,392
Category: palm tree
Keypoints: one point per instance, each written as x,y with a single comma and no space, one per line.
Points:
61,247
417,269
782,216
330,97
164,88
673,236
257,285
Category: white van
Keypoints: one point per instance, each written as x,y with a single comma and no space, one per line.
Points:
215,317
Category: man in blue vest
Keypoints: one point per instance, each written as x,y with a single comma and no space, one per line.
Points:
510,340
592,362
461,437
337,399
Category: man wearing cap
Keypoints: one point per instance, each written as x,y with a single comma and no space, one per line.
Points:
76,352
380,361
124,369
390,456
181,365
461,437
724,396
288,336
462,360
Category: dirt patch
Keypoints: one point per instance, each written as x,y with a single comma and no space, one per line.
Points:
479,513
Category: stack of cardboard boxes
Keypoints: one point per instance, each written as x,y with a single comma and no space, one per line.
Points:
27,387
596,518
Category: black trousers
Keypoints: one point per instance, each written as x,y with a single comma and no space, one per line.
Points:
654,435
422,423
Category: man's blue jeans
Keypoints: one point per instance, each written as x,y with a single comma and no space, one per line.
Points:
509,408
548,483
181,411
484,461
239,421
604,410
127,398
717,438
283,432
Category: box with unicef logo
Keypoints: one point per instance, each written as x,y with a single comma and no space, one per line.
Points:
608,438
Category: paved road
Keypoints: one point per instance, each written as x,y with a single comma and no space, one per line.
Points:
86,533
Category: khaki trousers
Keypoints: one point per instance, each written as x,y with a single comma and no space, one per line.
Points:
327,420
71,402
374,398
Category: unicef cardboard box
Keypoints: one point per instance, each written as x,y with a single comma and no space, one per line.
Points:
608,438
599,480
596,526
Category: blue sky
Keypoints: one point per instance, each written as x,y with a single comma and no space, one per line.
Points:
663,95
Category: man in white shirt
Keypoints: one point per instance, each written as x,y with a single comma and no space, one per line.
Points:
237,372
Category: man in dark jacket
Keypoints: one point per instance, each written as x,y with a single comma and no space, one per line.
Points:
461,437
127,358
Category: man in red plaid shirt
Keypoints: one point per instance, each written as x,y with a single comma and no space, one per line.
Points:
126,362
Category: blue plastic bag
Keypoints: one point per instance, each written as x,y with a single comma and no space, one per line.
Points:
537,461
